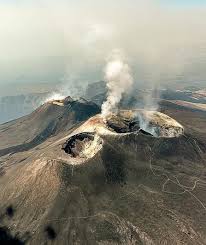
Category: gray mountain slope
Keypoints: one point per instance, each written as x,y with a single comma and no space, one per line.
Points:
136,190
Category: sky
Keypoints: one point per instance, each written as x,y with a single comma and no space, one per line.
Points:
162,40
184,3
170,2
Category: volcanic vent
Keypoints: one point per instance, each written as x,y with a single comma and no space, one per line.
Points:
122,123
83,145
147,122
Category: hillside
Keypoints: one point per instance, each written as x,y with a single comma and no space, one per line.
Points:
118,188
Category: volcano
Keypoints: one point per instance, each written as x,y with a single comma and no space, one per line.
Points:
93,180
49,119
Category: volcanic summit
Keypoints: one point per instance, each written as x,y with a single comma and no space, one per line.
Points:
94,180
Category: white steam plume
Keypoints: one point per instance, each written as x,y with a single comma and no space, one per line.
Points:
118,80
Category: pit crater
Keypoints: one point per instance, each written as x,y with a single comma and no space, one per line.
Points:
83,145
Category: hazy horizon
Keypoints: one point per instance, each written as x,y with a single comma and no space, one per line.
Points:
69,41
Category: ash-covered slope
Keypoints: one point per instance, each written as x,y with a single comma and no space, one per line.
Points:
134,188
50,118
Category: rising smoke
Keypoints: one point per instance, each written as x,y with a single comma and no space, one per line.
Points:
118,81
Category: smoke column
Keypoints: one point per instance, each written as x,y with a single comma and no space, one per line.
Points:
118,81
